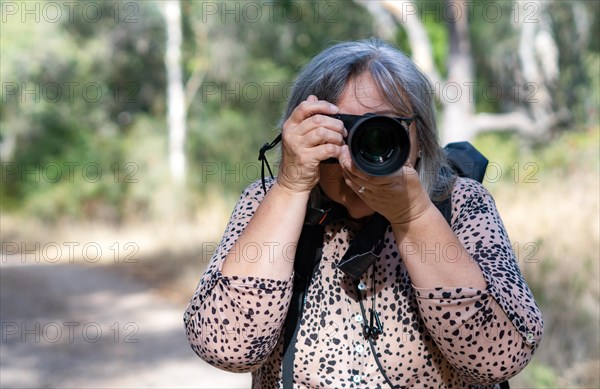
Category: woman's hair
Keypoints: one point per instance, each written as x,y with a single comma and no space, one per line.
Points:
402,85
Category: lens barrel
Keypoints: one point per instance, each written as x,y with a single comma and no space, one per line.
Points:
379,145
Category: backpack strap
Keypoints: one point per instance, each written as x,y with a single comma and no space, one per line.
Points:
445,208
308,256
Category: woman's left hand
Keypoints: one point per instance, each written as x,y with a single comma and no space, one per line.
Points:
399,197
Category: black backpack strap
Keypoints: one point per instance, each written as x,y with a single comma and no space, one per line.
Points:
445,208
308,255
504,385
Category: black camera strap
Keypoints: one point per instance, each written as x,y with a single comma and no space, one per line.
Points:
365,248
263,161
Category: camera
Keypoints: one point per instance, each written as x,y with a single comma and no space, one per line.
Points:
379,145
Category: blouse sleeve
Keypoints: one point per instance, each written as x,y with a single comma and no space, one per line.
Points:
488,335
234,323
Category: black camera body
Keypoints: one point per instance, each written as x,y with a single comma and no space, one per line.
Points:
379,145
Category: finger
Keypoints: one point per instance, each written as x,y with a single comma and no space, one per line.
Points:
345,159
322,135
357,187
356,178
352,175
325,151
308,108
320,121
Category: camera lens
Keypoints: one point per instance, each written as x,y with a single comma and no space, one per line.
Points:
379,145
376,146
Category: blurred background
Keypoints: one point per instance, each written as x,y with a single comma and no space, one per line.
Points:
129,128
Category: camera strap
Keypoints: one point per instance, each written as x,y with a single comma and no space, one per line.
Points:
365,248
263,161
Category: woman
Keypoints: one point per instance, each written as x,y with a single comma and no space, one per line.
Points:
453,309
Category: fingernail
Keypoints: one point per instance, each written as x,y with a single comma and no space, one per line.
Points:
333,108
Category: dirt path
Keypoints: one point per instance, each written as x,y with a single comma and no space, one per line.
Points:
84,326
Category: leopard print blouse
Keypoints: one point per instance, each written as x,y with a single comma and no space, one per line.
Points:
433,338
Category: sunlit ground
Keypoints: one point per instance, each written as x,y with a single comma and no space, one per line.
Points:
87,325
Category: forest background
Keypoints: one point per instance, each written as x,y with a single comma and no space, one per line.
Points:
134,125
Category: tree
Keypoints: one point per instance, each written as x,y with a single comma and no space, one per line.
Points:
531,113
176,104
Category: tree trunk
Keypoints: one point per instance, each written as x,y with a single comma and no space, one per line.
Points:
175,91
405,11
458,120
457,95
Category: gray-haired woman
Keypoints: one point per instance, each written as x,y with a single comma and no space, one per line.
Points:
448,306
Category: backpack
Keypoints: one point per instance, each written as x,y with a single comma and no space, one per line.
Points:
364,249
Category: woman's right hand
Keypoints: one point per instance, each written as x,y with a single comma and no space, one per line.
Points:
309,137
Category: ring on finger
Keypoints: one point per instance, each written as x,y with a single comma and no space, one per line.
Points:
361,190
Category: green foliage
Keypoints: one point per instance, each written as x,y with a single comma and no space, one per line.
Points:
571,152
81,183
144,172
436,30
579,58
99,94
513,160
501,148
113,68
253,62
495,87
70,89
